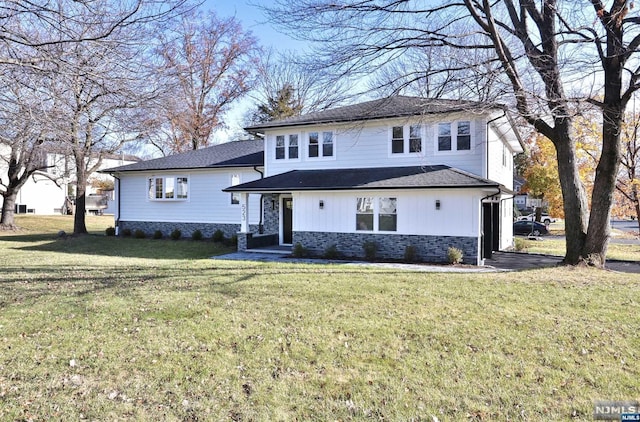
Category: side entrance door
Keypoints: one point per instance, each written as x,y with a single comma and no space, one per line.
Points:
287,221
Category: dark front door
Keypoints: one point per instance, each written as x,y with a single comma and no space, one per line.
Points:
490,229
287,221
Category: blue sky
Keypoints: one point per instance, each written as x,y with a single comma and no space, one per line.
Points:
252,19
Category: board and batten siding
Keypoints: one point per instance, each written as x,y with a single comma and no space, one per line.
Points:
366,145
416,211
207,203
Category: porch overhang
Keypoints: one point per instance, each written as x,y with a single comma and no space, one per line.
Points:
378,178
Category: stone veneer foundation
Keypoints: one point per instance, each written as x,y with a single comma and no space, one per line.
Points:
390,246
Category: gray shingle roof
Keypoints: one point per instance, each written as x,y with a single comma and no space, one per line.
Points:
422,177
230,154
396,106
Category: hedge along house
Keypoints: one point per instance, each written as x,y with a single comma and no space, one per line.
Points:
184,191
396,172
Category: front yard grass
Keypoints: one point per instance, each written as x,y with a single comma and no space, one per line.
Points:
550,246
101,328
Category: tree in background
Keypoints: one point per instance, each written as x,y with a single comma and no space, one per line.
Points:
541,174
287,87
207,64
628,183
538,52
21,139
38,46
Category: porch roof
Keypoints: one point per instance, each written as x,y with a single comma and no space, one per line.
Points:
418,177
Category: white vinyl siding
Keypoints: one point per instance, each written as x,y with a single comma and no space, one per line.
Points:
207,202
415,211
369,145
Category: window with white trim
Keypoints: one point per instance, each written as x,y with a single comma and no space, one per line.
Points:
406,138
376,214
293,146
235,196
168,188
287,147
320,144
454,136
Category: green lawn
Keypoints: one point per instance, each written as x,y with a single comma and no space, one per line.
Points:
100,328
550,246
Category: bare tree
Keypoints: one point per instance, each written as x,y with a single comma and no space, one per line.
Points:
544,50
98,90
208,64
287,85
21,139
629,180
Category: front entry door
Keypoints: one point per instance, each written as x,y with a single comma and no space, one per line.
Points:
287,221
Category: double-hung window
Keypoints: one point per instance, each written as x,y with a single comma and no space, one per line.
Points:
169,188
293,146
454,136
406,139
287,147
376,214
320,144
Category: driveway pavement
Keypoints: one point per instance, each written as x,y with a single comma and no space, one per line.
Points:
501,261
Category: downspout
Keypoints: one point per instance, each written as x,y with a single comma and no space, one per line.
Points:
117,222
260,223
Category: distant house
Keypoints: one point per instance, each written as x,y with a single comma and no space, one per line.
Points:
52,190
397,173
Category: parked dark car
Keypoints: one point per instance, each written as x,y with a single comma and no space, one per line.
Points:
529,227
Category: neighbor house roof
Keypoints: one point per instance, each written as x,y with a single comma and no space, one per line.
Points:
421,177
230,154
396,106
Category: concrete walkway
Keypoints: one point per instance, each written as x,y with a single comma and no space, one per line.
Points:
501,261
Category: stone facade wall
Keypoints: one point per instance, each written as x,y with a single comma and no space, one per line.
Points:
271,214
390,246
207,229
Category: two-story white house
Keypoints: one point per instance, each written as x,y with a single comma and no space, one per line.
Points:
47,190
397,172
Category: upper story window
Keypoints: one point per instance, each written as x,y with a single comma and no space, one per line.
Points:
170,188
454,134
293,146
280,147
320,144
287,146
406,138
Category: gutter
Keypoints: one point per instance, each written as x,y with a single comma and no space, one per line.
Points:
261,222
117,221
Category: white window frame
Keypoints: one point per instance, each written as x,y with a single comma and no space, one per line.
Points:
235,196
454,137
376,214
287,145
321,144
406,137
152,184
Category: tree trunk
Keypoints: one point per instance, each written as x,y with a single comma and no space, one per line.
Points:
7,219
597,241
574,197
79,226
636,204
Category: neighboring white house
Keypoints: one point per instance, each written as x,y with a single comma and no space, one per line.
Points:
46,191
398,172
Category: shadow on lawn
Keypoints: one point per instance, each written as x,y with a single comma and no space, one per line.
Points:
161,249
